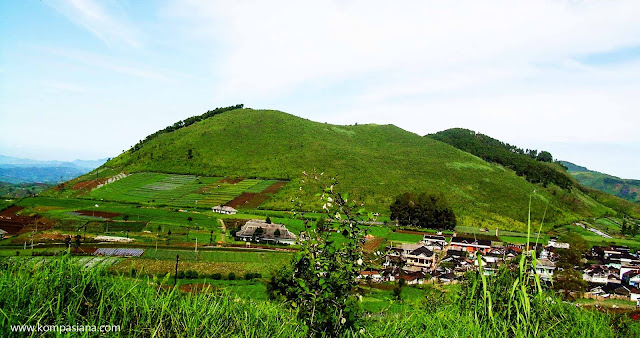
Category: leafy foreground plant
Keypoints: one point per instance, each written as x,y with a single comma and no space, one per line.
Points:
320,279
58,292
514,303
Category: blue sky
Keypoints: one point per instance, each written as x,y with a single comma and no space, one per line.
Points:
88,79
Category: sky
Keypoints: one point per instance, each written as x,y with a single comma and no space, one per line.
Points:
88,79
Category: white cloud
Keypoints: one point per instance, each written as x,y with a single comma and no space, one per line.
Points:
98,20
108,63
510,69
273,46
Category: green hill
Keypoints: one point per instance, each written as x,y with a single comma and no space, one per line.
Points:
623,188
375,163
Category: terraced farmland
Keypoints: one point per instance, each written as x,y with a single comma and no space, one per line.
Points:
181,190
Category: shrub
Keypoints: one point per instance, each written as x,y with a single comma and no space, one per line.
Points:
232,276
252,275
216,276
191,274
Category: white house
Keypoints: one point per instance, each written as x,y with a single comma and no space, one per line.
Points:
545,268
224,210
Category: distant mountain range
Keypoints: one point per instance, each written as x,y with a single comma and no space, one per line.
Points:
19,170
623,188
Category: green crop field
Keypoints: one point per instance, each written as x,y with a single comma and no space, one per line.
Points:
176,190
222,256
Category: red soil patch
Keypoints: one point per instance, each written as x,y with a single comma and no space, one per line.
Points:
11,211
372,244
87,250
239,201
102,214
234,222
231,180
13,223
90,184
274,188
264,195
255,201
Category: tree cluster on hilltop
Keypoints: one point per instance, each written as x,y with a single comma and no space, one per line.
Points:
185,123
530,164
424,211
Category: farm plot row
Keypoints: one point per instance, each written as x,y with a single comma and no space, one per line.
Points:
179,190
89,262
222,256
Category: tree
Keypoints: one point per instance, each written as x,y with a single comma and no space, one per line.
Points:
544,156
268,221
424,210
577,243
569,280
277,233
633,230
257,234
319,280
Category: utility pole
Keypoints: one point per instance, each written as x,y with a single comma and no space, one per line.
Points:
175,277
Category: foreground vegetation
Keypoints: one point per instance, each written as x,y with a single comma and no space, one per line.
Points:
65,294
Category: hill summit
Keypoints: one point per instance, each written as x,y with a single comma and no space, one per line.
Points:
375,163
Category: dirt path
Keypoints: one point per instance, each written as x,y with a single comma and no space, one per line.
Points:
224,229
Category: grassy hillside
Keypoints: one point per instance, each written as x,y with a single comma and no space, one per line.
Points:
623,188
375,163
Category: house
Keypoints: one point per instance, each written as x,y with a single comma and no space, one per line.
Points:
434,243
545,268
632,277
634,294
623,258
446,278
224,210
3,234
389,274
257,230
470,244
413,278
600,274
372,275
410,255
553,243
421,257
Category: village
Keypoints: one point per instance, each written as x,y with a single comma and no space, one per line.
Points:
611,272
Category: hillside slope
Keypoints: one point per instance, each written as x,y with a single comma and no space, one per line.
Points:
374,162
623,188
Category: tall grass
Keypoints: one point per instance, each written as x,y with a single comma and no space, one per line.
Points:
514,303
60,293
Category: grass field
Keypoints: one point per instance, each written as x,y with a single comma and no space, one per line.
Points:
375,163
61,293
177,190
